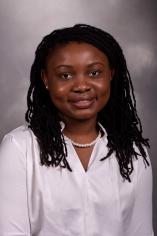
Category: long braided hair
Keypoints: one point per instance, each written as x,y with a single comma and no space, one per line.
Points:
119,117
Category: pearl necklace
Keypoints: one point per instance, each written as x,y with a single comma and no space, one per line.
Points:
80,145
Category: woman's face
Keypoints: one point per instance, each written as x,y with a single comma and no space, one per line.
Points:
78,78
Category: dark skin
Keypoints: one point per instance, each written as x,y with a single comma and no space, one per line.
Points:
78,78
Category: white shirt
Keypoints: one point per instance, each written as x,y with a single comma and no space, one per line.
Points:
37,200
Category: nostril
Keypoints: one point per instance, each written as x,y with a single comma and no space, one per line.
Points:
80,89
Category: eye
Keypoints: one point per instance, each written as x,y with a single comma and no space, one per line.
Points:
95,73
65,76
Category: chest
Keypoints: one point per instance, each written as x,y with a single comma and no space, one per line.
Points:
59,198
76,199
84,155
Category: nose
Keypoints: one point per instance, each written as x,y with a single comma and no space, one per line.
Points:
81,85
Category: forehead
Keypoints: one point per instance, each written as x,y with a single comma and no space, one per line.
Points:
76,51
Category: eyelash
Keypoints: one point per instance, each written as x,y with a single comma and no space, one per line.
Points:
67,74
62,76
98,72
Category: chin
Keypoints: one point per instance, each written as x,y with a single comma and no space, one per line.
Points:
84,116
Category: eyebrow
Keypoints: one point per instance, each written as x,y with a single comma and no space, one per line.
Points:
71,66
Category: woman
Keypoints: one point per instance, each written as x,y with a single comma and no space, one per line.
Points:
80,165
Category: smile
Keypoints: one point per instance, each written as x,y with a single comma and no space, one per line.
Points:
83,104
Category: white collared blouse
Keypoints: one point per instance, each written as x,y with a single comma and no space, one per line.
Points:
37,200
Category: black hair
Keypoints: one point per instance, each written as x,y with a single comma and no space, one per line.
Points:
119,117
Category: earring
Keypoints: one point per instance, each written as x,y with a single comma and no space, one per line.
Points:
46,86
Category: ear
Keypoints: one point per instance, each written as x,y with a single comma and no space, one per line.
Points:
44,79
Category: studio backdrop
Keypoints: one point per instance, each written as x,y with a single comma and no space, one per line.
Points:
132,23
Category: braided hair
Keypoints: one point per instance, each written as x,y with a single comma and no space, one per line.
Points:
119,116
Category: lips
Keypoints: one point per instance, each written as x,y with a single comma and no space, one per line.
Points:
83,103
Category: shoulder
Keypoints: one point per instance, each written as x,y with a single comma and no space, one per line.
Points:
17,138
19,132
143,168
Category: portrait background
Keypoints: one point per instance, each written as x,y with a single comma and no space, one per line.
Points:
132,23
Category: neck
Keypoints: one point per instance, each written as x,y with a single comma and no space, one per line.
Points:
82,130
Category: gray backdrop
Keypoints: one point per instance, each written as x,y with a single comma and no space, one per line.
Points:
133,23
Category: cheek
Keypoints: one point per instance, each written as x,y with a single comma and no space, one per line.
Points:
104,94
57,93
104,88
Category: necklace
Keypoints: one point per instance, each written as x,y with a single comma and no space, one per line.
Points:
80,145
